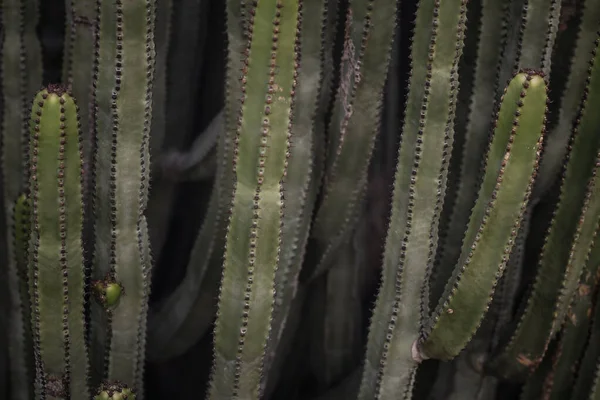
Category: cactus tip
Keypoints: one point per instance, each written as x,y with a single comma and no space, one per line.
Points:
114,391
57,89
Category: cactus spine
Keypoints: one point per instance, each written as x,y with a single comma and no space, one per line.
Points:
123,91
55,251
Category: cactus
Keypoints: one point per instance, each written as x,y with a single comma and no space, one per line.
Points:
510,170
290,189
55,251
254,235
368,35
556,277
424,151
123,91
21,77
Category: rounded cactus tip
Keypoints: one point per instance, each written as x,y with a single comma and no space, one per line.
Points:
114,391
108,292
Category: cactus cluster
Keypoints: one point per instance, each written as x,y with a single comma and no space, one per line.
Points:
476,270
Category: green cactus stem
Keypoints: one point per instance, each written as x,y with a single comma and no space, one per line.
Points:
368,36
254,235
172,333
419,185
539,26
586,383
558,139
559,382
511,166
123,77
22,232
304,168
557,275
21,67
492,37
55,251
114,391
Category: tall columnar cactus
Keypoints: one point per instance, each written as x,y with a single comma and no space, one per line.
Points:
55,251
418,192
123,91
254,237
21,66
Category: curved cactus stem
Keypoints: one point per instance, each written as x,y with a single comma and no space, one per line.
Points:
254,236
21,79
172,333
558,139
419,185
354,125
123,83
174,164
565,246
56,264
511,166
186,47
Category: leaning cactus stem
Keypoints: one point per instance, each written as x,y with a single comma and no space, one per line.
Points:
55,250
512,163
